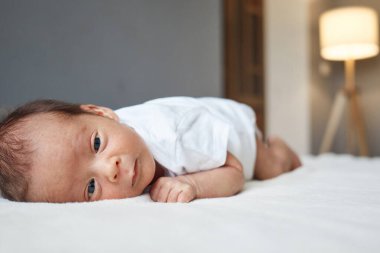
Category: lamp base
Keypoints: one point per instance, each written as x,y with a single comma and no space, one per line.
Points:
357,129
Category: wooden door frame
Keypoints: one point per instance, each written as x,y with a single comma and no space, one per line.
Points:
244,54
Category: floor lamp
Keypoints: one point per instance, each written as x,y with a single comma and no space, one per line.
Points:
348,34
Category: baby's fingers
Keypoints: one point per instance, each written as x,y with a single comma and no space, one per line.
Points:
171,190
160,193
185,197
173,195
154,191
163,194
161,189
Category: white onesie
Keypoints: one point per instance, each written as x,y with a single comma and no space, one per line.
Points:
187,134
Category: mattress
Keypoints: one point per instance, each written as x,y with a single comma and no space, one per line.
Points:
331,204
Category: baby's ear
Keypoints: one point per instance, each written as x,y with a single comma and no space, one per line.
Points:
100,110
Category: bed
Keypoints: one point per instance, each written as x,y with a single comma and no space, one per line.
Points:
331,204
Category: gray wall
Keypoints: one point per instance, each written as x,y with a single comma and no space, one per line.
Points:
324,87
114,53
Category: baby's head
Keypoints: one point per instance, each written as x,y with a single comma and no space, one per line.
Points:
52,151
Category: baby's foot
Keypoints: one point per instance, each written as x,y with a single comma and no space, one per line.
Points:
283,156
274,158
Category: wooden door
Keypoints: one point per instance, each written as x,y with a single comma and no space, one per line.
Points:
243,56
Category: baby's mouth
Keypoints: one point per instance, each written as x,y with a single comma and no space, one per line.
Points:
135,173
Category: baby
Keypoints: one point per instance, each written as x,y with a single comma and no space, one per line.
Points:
177,149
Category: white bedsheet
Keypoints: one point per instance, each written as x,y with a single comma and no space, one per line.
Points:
332,204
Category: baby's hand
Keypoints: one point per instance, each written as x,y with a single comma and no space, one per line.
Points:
173,189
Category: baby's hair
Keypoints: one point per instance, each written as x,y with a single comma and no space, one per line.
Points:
15,150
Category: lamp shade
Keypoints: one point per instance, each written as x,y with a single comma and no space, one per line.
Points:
349,33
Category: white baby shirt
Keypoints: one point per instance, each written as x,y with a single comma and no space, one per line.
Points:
188,135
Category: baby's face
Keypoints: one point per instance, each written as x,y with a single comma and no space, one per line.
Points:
86,158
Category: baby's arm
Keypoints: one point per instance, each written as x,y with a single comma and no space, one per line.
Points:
220,182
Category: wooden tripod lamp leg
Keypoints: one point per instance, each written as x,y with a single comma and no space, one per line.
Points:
340,102
352,138
359,126
350,88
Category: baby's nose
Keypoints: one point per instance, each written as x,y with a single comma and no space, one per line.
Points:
113,171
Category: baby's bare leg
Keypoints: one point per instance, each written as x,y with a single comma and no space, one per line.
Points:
274,158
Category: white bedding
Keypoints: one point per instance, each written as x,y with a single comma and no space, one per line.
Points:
332,204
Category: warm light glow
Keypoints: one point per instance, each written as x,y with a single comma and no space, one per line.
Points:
349,33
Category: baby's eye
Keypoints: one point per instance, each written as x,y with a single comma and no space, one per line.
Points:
97,143
90,188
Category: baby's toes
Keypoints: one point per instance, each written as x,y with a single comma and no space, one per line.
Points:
296,161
